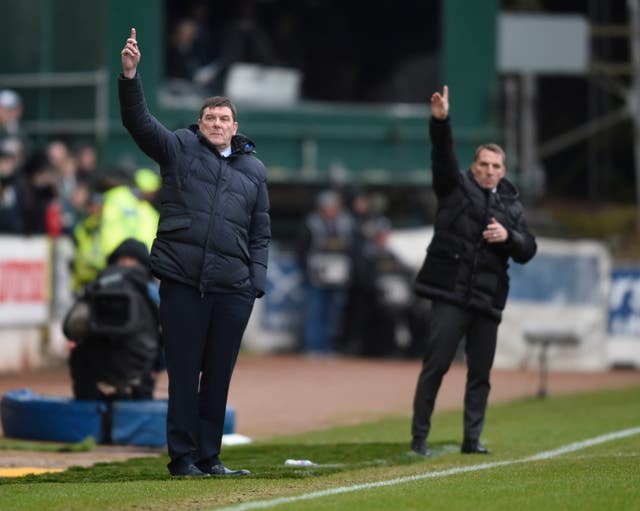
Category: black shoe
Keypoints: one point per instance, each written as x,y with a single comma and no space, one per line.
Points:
186,470
420,447
221,470
473,447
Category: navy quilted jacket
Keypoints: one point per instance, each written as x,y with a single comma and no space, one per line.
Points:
214,227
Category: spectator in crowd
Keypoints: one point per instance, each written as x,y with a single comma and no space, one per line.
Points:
115,331
325,250
10,214
246,39
75,208
58,153
86,160
210,253
364,217
89,257
392,320
116,214
37,193
479,226
65,167
148,184
10,113
182,59
204,45
287,39
350,340
124,214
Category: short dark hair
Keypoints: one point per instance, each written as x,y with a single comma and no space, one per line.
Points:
494,148
217,101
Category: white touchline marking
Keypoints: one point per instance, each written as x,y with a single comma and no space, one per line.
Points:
576,446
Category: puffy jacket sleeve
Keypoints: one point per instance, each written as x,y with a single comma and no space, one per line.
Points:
259,238
444,164
521,244
152,137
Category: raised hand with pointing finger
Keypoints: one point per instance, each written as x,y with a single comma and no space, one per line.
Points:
130,55
440,104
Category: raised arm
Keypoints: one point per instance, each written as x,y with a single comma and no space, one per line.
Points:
439,103
151,136
444,164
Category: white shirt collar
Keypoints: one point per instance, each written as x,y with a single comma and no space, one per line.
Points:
226,152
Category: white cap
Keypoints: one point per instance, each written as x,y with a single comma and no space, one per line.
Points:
10,99
10,146
328,199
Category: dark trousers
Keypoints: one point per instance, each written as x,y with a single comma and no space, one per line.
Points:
448,325
202,335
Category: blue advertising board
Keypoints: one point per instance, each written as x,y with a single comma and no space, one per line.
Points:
624,302
285,294
557,278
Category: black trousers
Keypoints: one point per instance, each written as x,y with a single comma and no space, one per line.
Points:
202,335
448,325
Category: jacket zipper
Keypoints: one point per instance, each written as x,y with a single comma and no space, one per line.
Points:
212,222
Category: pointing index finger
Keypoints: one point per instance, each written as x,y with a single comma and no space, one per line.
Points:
133,33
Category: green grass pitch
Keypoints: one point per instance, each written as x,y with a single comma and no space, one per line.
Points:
599,477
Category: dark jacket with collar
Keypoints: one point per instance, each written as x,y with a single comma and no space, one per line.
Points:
460,266
214,227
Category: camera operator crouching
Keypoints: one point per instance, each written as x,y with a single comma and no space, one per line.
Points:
115,331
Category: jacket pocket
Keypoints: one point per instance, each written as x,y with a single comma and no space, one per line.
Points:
174,223
440,269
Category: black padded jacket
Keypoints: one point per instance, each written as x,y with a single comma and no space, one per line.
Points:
460,266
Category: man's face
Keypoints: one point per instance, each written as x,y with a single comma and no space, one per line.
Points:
127,261
488,169
218,126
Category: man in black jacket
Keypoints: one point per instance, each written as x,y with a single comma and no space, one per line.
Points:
210,254
479,226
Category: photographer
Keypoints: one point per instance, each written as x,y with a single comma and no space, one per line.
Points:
115,329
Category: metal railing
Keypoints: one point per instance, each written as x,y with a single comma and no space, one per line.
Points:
98,126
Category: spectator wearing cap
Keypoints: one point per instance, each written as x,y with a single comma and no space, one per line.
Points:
10,112
124,215
148,184
325,245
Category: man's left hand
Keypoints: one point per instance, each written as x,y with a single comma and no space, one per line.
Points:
495,232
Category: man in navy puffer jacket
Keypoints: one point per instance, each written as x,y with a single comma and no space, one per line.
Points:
210,254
